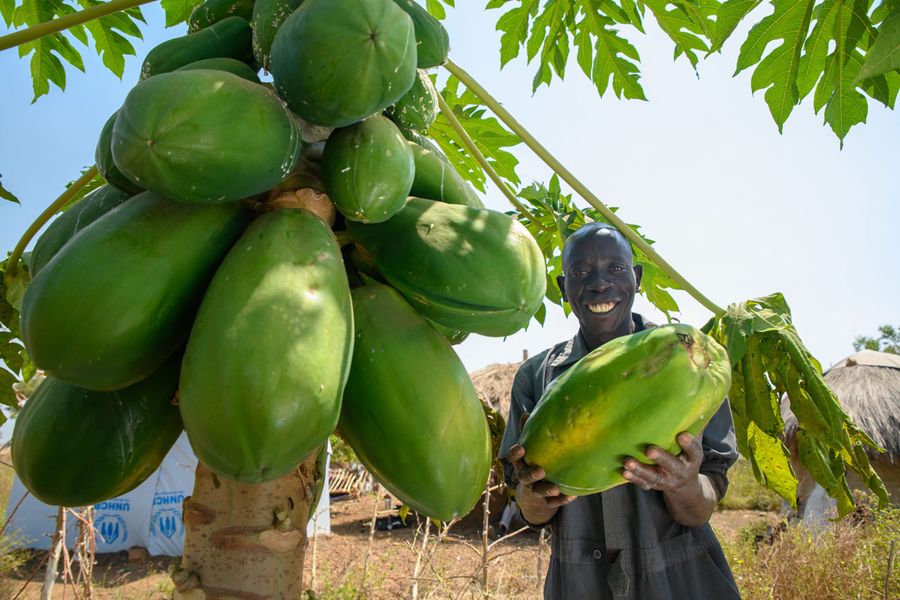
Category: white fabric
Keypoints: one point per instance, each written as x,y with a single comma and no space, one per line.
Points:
148,516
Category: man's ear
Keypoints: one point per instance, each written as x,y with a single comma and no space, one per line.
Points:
638,273
561,282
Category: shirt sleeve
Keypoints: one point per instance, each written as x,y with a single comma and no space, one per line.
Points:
719,449
521,401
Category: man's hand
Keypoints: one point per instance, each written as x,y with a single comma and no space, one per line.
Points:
690,497
537,498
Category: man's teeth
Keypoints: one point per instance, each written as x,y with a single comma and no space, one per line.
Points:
601,308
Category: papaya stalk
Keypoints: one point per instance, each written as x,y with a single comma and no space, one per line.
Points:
45,216
479,157
34,32
576,185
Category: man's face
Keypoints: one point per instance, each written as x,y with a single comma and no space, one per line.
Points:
599,283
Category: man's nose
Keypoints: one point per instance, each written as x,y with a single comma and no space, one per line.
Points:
598,282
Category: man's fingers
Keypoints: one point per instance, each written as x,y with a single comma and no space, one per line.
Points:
557,501
545,489
664,459
529,475
515,454
693,450
522,420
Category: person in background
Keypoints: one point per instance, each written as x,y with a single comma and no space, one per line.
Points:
646,540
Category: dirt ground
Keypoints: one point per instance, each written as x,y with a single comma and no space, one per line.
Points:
337,566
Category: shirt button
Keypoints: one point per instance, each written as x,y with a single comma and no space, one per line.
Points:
597,554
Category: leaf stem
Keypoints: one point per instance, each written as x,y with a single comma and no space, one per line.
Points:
46,215
579,187
17,38
479,157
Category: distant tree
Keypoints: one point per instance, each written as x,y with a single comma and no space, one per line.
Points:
888,341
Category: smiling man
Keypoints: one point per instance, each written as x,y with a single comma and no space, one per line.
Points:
649,539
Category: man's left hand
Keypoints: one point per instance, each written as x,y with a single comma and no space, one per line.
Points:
670,473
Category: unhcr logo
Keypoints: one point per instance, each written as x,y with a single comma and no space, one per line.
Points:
168,499
112,529
167,523
114,505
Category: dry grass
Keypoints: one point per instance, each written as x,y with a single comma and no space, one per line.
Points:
847,560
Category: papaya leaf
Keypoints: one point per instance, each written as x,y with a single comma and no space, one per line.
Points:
604,55
490,136
436,9
110,33
513,26
770,360
6,194
9,315
730,14
772,463
688,23
178,11
11,352
884,55
7,392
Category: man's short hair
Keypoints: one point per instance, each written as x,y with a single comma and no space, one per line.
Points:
589,229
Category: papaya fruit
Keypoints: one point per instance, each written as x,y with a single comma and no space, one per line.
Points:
210,12
120,296
65,226
470,269
268,15
230,65
270,349
634,391
432,40
368,170
229,38
204,137
417,108
424,438
75,447
436,178
336,62
105,164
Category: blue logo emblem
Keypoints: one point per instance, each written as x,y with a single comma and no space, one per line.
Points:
112,529
167,522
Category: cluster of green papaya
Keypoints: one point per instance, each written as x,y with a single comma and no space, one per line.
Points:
211,264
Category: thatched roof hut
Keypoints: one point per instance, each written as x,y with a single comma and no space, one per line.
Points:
493,384
868,387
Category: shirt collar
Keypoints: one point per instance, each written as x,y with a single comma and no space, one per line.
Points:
576,348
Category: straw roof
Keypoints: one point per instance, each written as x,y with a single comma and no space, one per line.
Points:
868,386
493,384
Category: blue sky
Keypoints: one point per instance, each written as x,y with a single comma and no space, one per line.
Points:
740,210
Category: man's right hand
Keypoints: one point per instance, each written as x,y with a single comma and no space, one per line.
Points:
537,498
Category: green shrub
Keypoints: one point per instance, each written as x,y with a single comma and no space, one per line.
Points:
846,559
744,493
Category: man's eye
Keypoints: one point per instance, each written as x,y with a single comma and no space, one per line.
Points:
579,273
617,268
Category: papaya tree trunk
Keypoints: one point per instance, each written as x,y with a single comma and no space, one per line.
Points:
246,541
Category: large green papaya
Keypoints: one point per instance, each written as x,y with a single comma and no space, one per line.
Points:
229,38
336,62
104,160
634,391
210,12
368,169
120,296
269,353
235,67
410,411
204,136
432,41
65,226
436,178
417,108
469,269
268,15
75,447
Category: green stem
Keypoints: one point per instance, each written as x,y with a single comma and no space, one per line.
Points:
13,263
479,157
34,32
579,187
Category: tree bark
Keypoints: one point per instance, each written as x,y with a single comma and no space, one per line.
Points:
243,541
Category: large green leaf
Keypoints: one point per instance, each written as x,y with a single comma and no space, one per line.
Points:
178,11
603,55
491,138
884,55
769,360
110,33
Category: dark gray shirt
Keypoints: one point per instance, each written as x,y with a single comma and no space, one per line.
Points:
622,543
